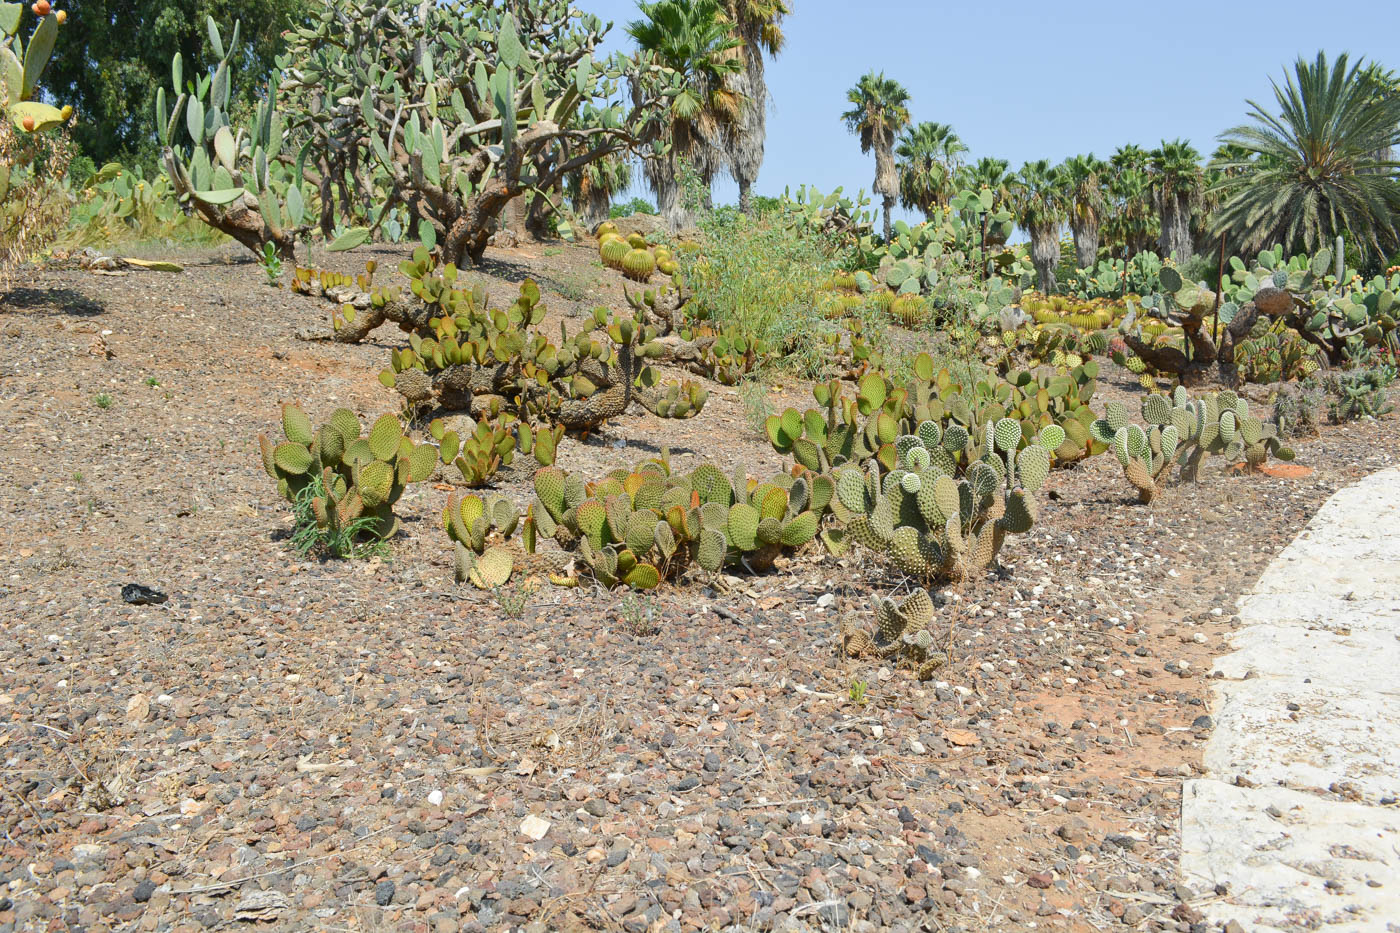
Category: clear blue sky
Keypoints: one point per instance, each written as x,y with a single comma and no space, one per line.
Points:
1025,81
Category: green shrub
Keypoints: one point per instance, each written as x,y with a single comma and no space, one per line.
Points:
764,279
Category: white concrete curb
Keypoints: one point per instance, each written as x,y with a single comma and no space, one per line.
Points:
1310,702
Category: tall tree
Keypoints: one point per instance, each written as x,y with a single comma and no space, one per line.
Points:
593,187
1177,185
1085,204
1038,195
1130,225
115,53
692,39
929,156
1319,167
879,110
758,24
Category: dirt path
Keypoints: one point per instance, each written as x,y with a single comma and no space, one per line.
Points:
368,746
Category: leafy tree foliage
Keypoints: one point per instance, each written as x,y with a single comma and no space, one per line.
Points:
115,53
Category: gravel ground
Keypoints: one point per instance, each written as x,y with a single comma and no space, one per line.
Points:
308,744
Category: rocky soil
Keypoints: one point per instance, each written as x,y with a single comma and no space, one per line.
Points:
307,744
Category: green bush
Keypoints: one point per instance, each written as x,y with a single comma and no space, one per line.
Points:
634,206
765,279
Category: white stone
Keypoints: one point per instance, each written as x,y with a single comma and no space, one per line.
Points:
534,827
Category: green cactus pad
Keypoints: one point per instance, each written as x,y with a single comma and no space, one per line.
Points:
375,482
345,422
770,531
930,433
1156,409
1020,513
292,458
1033,467
1008,434
742,527
493,568
1051,437
800,530
710,553
384,437
643,577
297,427
712,485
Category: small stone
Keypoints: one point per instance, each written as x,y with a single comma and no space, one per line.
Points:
534,827
138,708
1201,723
143,891
435,798
1040,879
595,807
384,893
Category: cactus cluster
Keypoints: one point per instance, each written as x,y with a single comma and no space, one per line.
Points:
1186,430
1059,346
901,634
633,256
865,427
360,477
641,526
1188,329
478,529
959,252
222,172
1276,357
467,356
930,524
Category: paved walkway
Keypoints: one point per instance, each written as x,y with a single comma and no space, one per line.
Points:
1298,815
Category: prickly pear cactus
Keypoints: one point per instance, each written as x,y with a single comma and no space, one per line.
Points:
902,634
931,524
647,525
1184,431
354,480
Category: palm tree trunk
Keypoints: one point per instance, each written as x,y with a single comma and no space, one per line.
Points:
1175,238
1045,255
1086,243
889,205
744,185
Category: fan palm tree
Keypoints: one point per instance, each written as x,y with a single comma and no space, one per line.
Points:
1130,224
929,159
1177,185
879,110
992,174
593,187
758,26
691,38
1038,198
1085,204
1320,167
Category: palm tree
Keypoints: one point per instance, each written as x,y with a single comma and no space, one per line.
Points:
1321,167
1038,197
758,25
1177,184
929,158
992,174
1084,189
879,110
593,187
691,38
1130,224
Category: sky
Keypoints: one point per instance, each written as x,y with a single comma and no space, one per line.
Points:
1021,85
